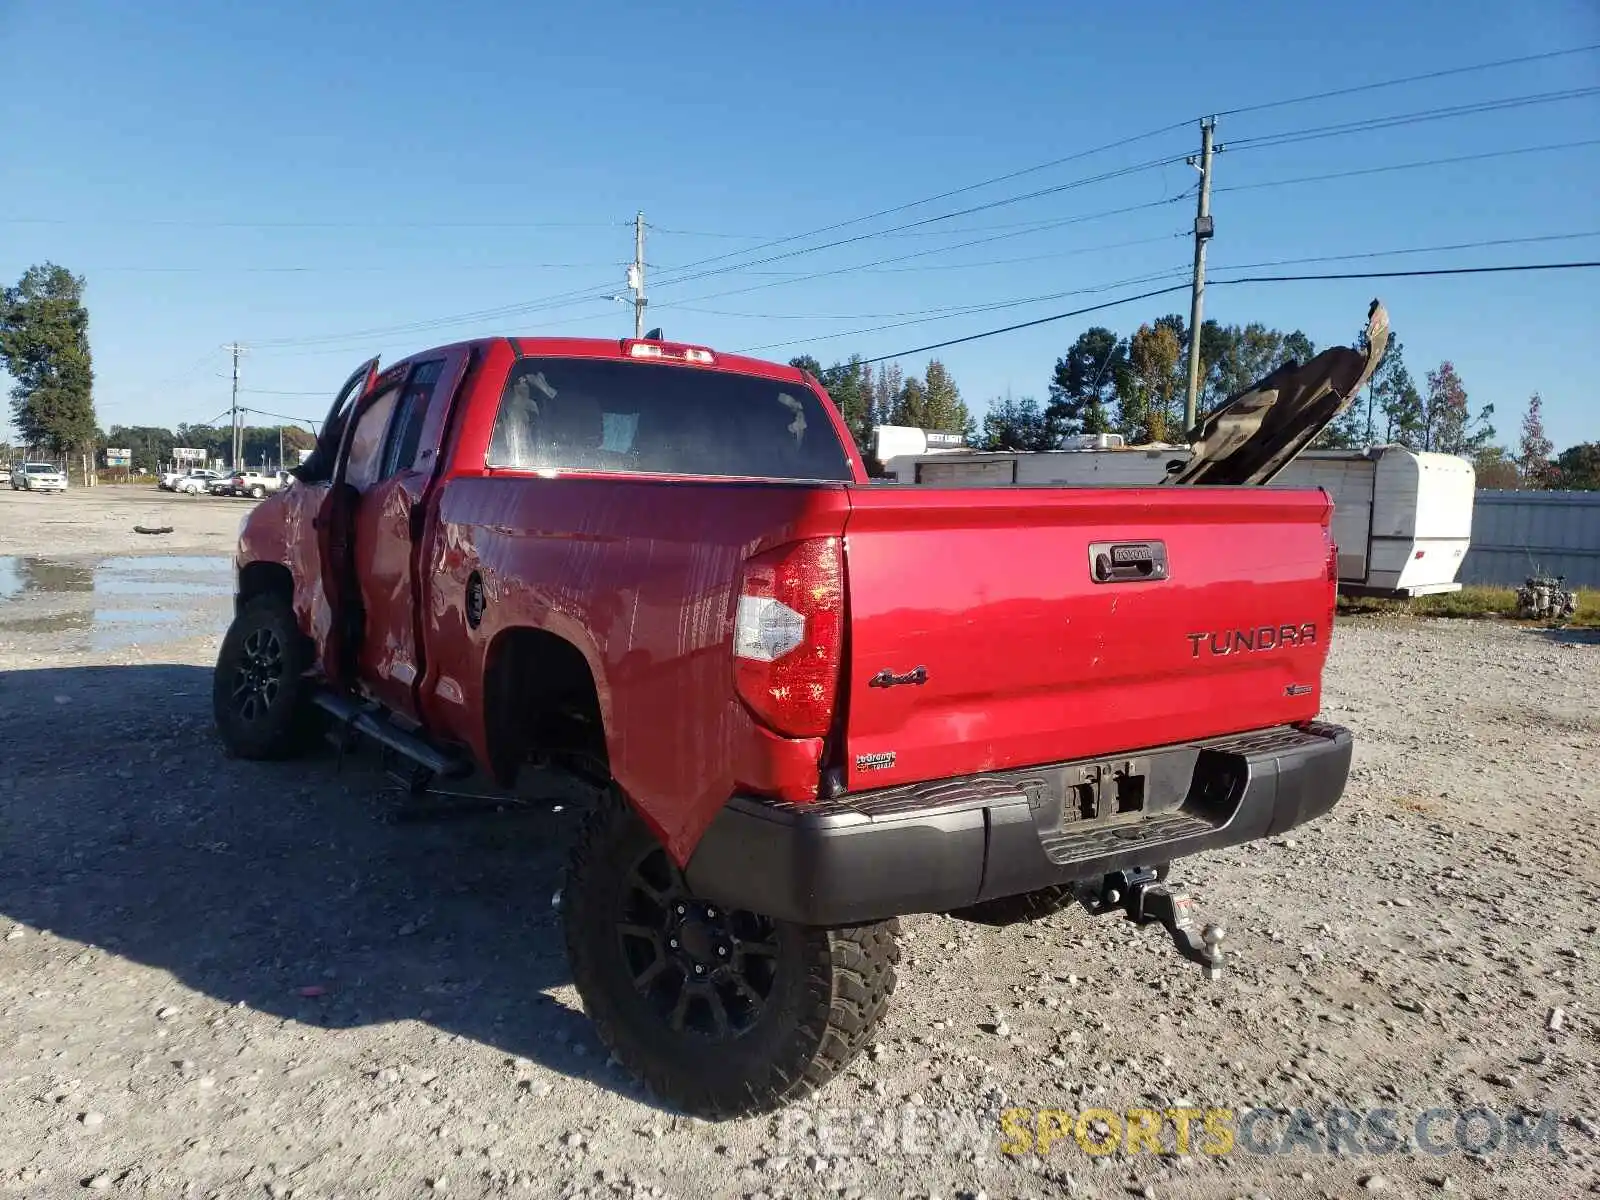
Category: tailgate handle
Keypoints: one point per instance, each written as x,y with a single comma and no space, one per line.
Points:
1127,562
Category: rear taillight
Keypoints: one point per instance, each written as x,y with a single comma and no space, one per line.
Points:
789,634
1333,582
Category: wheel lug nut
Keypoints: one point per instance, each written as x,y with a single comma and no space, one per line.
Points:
682,910
673,942
711,914
722,952
699,970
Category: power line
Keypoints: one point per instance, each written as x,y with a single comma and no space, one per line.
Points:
1077,312
996,307
325,270
1561,266
1521,241
699,269
1425,76
688,273
430,323
192,223
988,333
1258,107
1293,136
1086,181
568,299
1027,258
281,416
946,195
1077,220
1409,166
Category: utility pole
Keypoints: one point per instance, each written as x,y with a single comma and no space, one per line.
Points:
238,448
636,276
280,447
1203,229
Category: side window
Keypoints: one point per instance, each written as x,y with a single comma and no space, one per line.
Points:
367,439
401,452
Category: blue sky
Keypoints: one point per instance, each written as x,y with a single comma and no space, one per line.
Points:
413,161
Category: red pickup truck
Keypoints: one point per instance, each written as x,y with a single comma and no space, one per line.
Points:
810,703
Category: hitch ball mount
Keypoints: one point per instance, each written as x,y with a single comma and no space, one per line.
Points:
1142,896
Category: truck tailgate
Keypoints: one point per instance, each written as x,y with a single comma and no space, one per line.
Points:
998,628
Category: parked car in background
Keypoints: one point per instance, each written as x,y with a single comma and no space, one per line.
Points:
222,485
39,477
197,481
5,474
169,480
255,484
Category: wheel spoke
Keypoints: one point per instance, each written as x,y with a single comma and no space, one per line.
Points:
680,1011
660,897
742,986
719,1012
649,975
642,932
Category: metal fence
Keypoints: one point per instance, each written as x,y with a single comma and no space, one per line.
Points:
1516,534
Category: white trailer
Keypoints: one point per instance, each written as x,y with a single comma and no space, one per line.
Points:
1402,519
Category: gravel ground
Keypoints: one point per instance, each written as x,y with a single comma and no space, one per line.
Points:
230,979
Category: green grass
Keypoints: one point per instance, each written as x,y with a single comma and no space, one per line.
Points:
1468,602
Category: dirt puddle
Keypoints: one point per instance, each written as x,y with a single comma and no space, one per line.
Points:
116,601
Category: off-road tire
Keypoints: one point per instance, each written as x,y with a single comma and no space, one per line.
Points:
264,654
828,989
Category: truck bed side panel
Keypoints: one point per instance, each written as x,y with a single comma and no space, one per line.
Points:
1027,659
651,609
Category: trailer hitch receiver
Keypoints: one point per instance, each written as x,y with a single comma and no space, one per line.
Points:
1146,900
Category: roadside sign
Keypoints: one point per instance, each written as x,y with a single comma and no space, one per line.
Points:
189,454
118,458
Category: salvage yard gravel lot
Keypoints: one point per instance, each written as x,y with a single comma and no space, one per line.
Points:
227,979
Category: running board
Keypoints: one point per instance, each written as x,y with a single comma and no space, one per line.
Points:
351,714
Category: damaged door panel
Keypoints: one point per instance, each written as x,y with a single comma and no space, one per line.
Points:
1257,432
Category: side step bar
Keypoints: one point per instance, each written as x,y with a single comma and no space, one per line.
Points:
354,715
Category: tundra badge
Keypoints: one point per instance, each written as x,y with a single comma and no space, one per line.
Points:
1252,641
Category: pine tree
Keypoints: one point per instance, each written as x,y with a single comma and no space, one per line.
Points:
1533,458
945,408
44,346
1397,399
911,404
1083,387
886,393
849,386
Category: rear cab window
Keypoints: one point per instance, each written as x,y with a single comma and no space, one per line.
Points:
583,414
